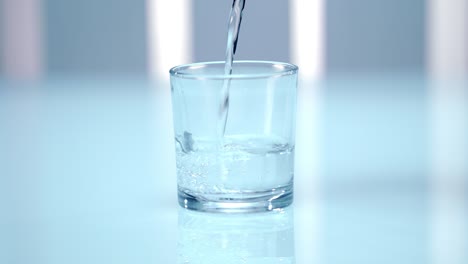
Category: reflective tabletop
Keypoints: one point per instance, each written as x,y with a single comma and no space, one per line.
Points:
87,175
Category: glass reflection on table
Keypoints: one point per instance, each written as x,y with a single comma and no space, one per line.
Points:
236,238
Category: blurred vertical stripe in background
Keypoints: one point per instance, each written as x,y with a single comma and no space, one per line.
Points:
22,33
447,30
308,50
447,38
170,34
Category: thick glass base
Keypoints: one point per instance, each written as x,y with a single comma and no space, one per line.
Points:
245,202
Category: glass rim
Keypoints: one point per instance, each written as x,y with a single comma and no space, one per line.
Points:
287,69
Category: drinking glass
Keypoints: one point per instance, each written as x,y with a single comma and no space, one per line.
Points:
245,162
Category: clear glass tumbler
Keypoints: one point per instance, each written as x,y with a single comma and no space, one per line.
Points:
245,162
